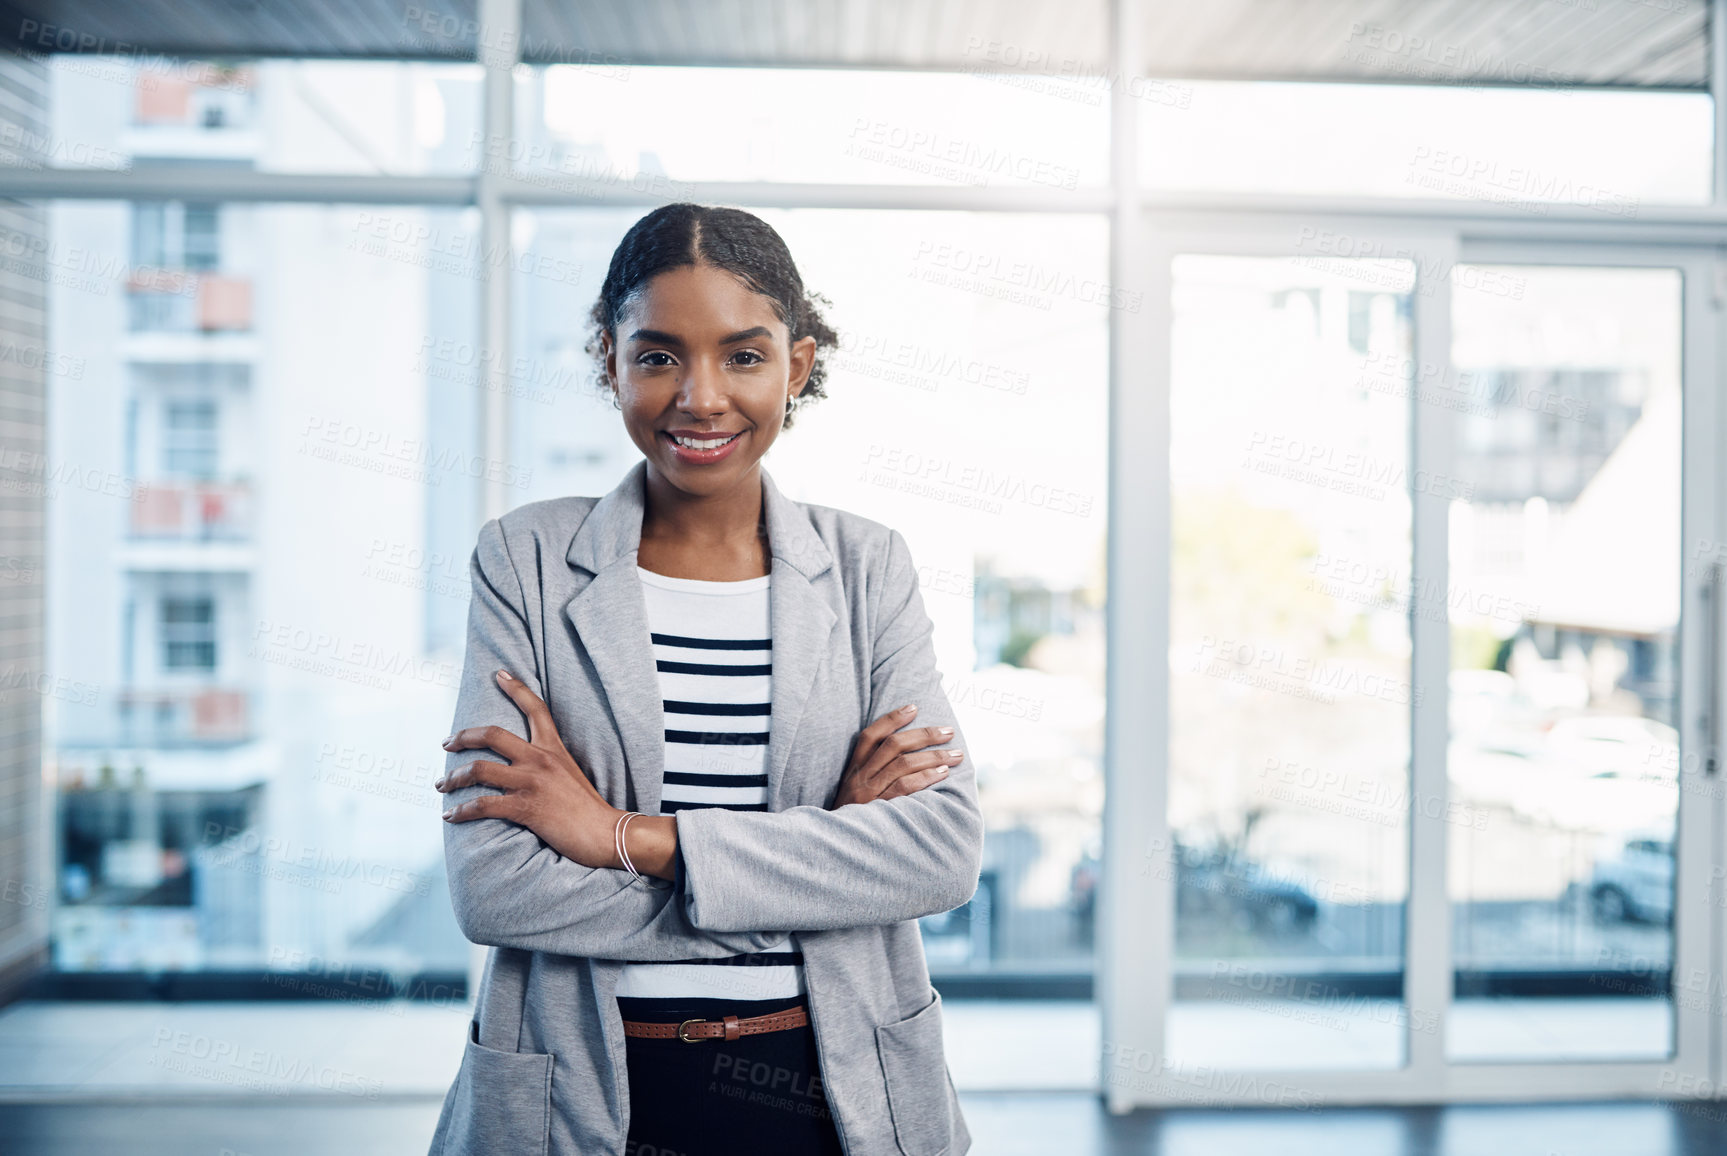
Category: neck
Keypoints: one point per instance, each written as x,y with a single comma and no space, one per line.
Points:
731,517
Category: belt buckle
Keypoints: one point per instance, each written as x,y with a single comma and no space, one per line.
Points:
686,1023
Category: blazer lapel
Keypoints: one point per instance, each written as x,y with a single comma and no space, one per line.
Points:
610,617
801,620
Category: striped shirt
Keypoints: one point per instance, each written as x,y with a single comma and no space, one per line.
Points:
714,652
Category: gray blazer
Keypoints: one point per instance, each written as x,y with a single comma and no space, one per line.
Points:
556,601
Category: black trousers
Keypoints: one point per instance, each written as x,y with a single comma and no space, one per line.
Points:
757,1095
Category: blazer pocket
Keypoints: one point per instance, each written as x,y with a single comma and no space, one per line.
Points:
503,1100
917,1081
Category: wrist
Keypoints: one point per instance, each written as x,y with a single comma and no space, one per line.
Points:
652,841
608,818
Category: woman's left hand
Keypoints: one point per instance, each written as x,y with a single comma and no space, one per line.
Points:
545,791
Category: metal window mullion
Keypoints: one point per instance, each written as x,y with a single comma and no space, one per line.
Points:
500,44
499,47
1706,480
1427,963
556,190
1697,920
1717,93
1135,936
214,184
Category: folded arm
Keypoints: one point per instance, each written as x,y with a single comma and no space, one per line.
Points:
885,861
509,888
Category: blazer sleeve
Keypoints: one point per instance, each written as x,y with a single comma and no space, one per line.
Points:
809,868
509,888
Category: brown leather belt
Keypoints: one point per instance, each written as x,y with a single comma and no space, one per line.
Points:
729,1028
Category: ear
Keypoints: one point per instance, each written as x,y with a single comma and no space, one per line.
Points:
609,360
803,361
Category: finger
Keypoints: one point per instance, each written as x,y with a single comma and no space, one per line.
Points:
914,782
495,738
542,732
897,745
888,744
481,773
917,738
484,807
915,772
923,761
880,729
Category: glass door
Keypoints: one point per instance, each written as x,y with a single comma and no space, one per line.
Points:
1429,819
1579,562
1291,677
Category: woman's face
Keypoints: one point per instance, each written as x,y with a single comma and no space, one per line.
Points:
698,353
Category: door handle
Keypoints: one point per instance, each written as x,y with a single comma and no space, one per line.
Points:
1712,622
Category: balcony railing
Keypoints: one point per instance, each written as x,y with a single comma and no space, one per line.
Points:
176,717
181,301
210,97
192,511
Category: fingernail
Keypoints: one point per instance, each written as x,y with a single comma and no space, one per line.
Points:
449,740
940,770
944,731
447,814
956,753
504,674
908,708
439,785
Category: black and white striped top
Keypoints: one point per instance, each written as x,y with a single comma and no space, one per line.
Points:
714,651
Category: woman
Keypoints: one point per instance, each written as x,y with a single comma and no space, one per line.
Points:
685,806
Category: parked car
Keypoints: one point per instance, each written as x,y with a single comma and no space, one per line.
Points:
1635,884
1612,774
1212,882
1243,893
1590,744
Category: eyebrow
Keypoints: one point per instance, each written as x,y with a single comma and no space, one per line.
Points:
661,337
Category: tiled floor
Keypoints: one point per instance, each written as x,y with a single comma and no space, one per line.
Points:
83,1048
322,1079
1002,1124
79,1047
70,1048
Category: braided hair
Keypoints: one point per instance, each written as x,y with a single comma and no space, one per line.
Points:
734,240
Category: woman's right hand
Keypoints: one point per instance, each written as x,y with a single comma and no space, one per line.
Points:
887,763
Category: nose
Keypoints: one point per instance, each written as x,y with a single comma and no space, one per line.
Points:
702,391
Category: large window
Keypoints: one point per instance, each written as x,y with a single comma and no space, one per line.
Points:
1530,150
243,594
1565,679
591,128
289,394
1291,682
1403,836
292,116
188,633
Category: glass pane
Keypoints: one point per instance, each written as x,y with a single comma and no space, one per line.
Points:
1529,148
1289,660
653,129
1564,607
241,482
324,116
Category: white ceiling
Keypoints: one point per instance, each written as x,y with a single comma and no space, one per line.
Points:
1636,43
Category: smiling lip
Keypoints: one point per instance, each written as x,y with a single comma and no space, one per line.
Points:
703,434
701,457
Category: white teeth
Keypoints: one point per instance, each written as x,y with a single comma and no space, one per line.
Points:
692,443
